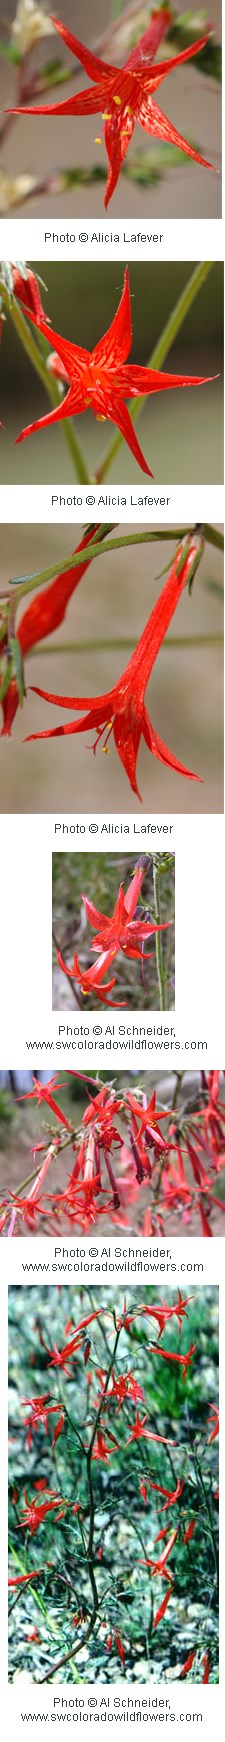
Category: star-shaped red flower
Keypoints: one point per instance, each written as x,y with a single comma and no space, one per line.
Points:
122,931
101,379
125,95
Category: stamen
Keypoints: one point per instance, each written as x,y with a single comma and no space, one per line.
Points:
106,116
98,140
117,100
100,417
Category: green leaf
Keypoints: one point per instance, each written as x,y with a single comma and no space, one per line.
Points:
5,681
17,666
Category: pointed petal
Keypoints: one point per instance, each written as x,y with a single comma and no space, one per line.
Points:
95,68
90,102
94,917
120,415
167,66
160,750
66,409
132,380
145,50
118,132
154,122
74,356
133,892
127,736
116,343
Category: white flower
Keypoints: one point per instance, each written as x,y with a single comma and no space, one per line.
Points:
13,192
29,25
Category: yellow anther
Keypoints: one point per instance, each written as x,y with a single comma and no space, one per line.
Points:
100,418
98,139
106,116
117,100
129,111
104,749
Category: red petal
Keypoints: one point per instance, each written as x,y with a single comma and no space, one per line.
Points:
90,102
121,416
115,345
74,356
160,750
133,380
118,132
66,409
92,65
147,47
167,66
154,122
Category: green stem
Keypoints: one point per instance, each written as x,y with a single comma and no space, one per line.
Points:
51,388
158,937
98,549
161,349
123,645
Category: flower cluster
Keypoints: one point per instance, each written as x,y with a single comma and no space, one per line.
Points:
109,1422
136,1163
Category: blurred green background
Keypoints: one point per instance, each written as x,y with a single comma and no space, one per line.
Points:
181,433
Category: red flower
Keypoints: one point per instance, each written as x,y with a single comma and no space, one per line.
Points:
171,1494
42,1092
140,1432
167,1355
160,1565
189,1532
122,931
161,1610
163,1312
35,1511
206,1662
43,614
26,290
123,708
119,1647
23,1578
90,979
40,1409
188,1663
124,96
101,379
214,1418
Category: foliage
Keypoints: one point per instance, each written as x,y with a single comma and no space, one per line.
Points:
95,1546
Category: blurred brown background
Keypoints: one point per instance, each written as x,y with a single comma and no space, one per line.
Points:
190,100
181,432
184,697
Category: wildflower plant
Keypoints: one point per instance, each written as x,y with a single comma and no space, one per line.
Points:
113,1484
123,81
128,949
112,1155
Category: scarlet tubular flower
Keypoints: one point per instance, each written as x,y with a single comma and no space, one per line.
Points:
126,96
102,379
189,1532
140,1432
122,931
160,1566
34,1511
188,1663
206,1662
45,611
40,1409
168,1355
123,709
26,290
90,979
27,1578
171,1494
42,1092
162,1609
